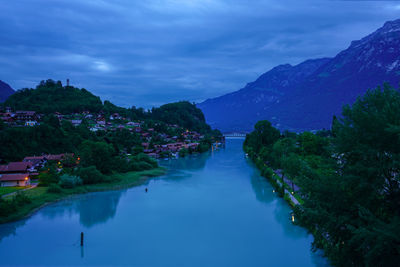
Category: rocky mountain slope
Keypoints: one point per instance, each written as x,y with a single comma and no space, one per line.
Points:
306,96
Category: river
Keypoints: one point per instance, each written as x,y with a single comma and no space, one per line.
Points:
212,209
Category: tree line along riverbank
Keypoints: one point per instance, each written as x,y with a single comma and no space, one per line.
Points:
347,179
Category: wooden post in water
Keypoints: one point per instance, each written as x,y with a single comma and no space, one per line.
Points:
81,239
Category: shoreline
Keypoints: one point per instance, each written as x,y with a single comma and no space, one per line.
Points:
40,198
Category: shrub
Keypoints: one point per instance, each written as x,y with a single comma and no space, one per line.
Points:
183,152
7,207
90,175
69,181
267,172
54,188
144,166
47,178
21,198
145,158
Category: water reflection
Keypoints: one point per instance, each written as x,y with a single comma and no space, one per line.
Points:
92,208
182,168
10,229
264,193
190,163
262,188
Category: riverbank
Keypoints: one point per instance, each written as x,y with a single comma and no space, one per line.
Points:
40,197
281,184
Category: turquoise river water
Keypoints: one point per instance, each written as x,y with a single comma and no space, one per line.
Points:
212,209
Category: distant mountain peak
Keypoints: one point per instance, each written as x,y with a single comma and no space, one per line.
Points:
5,91
282,67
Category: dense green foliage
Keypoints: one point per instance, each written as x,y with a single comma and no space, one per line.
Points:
182,113
9,206
349,179
50,96
69,181
90,175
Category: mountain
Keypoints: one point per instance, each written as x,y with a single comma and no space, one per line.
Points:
306,96
5,91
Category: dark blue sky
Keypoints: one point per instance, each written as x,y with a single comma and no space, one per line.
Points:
151,52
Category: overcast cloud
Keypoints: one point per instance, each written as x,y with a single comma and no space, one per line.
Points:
151,52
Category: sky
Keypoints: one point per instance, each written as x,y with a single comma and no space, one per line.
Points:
147,53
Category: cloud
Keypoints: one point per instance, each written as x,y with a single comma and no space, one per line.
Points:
151,52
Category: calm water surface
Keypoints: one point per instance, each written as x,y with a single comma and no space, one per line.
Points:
208,210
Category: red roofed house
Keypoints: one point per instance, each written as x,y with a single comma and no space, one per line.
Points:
37,161
15,167
58,157
15,174
19,179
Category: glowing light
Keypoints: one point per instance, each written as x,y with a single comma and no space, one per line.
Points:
26,178
292,218
273,191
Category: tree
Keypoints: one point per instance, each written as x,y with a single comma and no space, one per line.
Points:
98,154
354,212
90,175
264,135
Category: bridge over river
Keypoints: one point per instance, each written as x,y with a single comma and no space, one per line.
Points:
235,134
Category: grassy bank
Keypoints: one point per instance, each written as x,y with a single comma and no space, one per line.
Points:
39,197
10,189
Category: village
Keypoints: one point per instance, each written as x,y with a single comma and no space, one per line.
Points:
154,143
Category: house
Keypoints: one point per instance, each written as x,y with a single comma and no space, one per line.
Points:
22,115
6,117
146,134
19,179
76,122
16,167
145,145
153,155
31,123
115,116
58,157
131,123
38,162
58,115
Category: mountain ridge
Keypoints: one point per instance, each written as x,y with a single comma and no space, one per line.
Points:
307,95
